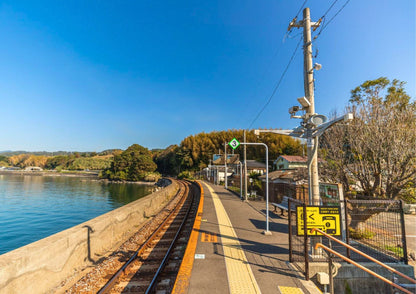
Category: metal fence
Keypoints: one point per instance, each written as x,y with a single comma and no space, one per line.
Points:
375,227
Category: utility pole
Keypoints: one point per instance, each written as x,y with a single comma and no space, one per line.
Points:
225,163
312,153
241,180
245,167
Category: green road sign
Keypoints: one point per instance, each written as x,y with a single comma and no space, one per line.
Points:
234,143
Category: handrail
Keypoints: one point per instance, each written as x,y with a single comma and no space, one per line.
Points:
361,267
365,255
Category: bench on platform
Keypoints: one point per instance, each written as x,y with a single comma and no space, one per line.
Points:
284,205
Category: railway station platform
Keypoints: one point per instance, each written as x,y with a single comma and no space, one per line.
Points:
232,255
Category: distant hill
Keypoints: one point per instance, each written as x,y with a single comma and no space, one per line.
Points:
9,153
109,151
45,153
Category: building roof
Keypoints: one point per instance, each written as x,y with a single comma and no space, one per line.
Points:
296,158
253,164
286,175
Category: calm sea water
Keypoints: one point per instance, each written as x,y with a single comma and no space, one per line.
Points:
34,207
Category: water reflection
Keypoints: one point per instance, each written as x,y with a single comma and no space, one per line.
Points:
34,207
123,193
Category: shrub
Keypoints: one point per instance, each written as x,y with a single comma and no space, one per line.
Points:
185,175
91,163
152,177
395,249
361,234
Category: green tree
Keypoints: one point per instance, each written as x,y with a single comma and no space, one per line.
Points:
90,163
57,161
4,160
133,164
168,162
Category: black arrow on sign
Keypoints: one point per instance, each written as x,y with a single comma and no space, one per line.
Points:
311,217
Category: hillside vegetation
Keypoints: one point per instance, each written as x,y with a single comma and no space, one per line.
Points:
196,151
59,162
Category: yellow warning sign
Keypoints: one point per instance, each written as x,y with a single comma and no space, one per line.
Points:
325,218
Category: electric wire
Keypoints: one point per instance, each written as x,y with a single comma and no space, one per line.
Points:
287,35
331,19
300,9
267,71
324,25
277,85
330,7
295,36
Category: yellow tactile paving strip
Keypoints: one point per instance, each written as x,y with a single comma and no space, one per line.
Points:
184,274
290,290
240,277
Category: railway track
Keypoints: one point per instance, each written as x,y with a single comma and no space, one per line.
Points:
153,264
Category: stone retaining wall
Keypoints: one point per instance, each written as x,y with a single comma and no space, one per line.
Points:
43,265
351,279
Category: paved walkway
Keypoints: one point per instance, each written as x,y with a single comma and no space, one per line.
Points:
233,256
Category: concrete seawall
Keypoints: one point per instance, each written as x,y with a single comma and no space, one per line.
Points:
43,265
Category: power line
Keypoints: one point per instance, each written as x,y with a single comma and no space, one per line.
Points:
277,85
332,18
265,72
293,37
330,7
287,35
300,9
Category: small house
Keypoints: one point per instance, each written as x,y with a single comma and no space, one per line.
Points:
290,162
284,162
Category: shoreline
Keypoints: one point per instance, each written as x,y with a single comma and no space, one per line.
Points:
93,176
50,173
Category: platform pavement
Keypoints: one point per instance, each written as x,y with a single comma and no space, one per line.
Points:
217,251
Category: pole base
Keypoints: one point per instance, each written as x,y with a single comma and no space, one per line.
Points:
267,233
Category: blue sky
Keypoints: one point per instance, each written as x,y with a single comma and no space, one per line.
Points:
94,75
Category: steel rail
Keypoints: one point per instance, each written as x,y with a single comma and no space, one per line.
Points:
109,285
365,255
167,255
320,245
